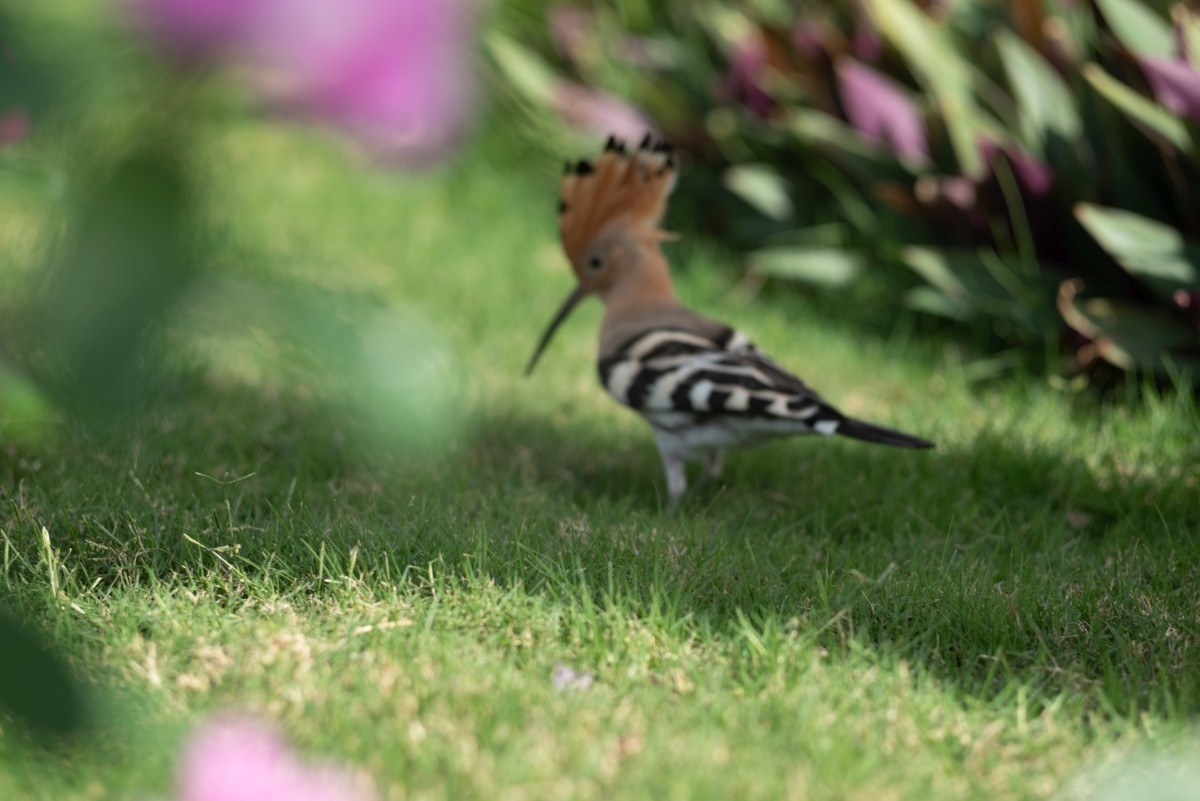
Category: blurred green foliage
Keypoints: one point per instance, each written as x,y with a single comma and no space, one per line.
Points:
36,688
132,252
1046,203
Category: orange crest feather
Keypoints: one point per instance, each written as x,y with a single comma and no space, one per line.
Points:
630,188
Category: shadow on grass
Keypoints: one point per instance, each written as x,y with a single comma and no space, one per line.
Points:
1002,564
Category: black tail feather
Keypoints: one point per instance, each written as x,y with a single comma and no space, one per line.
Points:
857,429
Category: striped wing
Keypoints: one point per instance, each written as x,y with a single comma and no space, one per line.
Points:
670,370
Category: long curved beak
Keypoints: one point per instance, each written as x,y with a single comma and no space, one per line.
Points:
572,300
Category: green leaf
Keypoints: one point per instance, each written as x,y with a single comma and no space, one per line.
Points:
1188,23
1124,334
931,301
523,68
826,234
930,52
1138,28
934,267
817,127
1142,246
131,254
1045,102
761,187
974,281
35,686
25,413
1138,107
824,266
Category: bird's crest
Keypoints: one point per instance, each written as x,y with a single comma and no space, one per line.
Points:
632,188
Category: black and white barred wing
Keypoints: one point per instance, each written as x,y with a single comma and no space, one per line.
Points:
680,371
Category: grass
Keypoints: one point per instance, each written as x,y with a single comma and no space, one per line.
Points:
988,620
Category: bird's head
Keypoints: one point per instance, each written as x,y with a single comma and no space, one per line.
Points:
608,216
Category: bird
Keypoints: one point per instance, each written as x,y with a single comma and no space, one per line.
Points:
700,384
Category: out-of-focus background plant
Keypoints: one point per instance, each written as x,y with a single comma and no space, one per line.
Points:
1022,175
1019,176
100,115
102,109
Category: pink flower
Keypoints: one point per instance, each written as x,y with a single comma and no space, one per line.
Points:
808,39
867,44
746,68
237,759
880,110
1175,83
570,29
1189,301
599,113
397,74
14,126
1035,175
197,28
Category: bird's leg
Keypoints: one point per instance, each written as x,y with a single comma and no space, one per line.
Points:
675,466
713,462
676,470
710,468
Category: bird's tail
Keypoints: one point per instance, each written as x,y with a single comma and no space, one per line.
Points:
867,432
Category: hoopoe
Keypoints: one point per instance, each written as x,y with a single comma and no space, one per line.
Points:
700,384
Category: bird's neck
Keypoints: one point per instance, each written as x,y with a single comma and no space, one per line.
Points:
640,296
647,283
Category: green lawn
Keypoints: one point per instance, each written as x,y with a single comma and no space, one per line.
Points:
988,620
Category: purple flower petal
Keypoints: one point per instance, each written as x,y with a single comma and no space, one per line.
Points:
397,73
231,759
867,44
565,678
1034,174
807,39
599,113
745,70
238,759
959,191
880,110
1175,83
196,28
570,28
1189,301
14,126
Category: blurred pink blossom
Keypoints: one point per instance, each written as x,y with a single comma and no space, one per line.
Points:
1032,173
14,126
867,44
880,110
807,39
239,759
198,28
599,113
397,74
959,191
570,28
746,68
1189,301
1176,84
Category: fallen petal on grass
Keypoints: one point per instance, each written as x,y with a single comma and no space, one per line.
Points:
567,679
241,759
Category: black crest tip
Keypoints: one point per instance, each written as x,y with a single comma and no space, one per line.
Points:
583,168
562,206
646,140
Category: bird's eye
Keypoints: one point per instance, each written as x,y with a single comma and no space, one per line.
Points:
595,263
